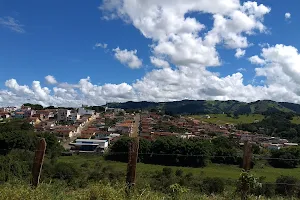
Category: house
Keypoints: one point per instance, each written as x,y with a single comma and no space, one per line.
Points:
124,128
63,114
74,116
45,114
275,146
33,120
4,115
65,131
88,133
89,145
19,115
83,111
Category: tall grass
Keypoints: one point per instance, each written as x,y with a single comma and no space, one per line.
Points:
98,191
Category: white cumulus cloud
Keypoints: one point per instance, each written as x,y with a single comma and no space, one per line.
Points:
159,62
239,53
257,60
50,80
187,44
287,15
128,57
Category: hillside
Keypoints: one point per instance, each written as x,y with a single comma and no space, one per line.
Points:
212,107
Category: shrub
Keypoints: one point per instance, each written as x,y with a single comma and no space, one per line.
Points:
286,185
213,185
65,171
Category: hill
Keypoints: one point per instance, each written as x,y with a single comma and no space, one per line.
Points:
212,107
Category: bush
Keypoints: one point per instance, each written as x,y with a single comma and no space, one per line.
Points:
213,185
286,186
65,171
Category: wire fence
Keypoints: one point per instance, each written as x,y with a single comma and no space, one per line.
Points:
257,157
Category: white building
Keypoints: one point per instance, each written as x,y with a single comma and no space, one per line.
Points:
83,111
89,145
74,116
63,114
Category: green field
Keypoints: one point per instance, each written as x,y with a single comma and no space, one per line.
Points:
223,118
213,170
296,120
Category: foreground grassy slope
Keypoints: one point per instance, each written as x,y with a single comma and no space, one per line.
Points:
213,170
22,191
223,118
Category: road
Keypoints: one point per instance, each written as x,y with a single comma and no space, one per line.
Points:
136,125
66,143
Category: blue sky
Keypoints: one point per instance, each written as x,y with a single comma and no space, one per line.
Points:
57,38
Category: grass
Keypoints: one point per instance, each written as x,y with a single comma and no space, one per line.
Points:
22,191
213,170
222,119
296,120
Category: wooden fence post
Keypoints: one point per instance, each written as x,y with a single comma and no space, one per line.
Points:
38,162
247,157
131,167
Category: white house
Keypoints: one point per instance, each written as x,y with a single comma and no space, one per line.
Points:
73,116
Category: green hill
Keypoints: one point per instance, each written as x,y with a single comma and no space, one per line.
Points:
212,107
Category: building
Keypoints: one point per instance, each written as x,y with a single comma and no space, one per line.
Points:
74,116
83,111
89,145
63,114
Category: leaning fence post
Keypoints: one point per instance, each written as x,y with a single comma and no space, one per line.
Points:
247,156
38,162
131,167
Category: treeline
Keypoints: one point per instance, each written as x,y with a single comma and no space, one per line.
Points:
277,125
17,145
175,151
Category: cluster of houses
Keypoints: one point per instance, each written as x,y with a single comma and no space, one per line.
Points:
200,129
89,131
83,129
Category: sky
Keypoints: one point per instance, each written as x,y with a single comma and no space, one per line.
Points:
68,53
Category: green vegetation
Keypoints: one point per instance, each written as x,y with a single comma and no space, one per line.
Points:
211,107
296,120
276,125
222,119
230,172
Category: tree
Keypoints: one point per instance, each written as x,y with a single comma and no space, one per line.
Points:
285,158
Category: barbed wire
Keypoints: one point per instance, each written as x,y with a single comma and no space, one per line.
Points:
174,154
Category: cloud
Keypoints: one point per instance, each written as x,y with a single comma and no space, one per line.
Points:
127,57
188,45
257,60
50,80
12,24
97,45
242,69
239,53
287,16
177,37
159,62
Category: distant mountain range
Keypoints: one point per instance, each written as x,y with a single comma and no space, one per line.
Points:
212,107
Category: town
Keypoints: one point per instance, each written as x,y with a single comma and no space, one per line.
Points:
85,130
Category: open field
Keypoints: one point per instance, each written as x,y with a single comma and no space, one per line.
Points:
213,170
223,118
296,120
